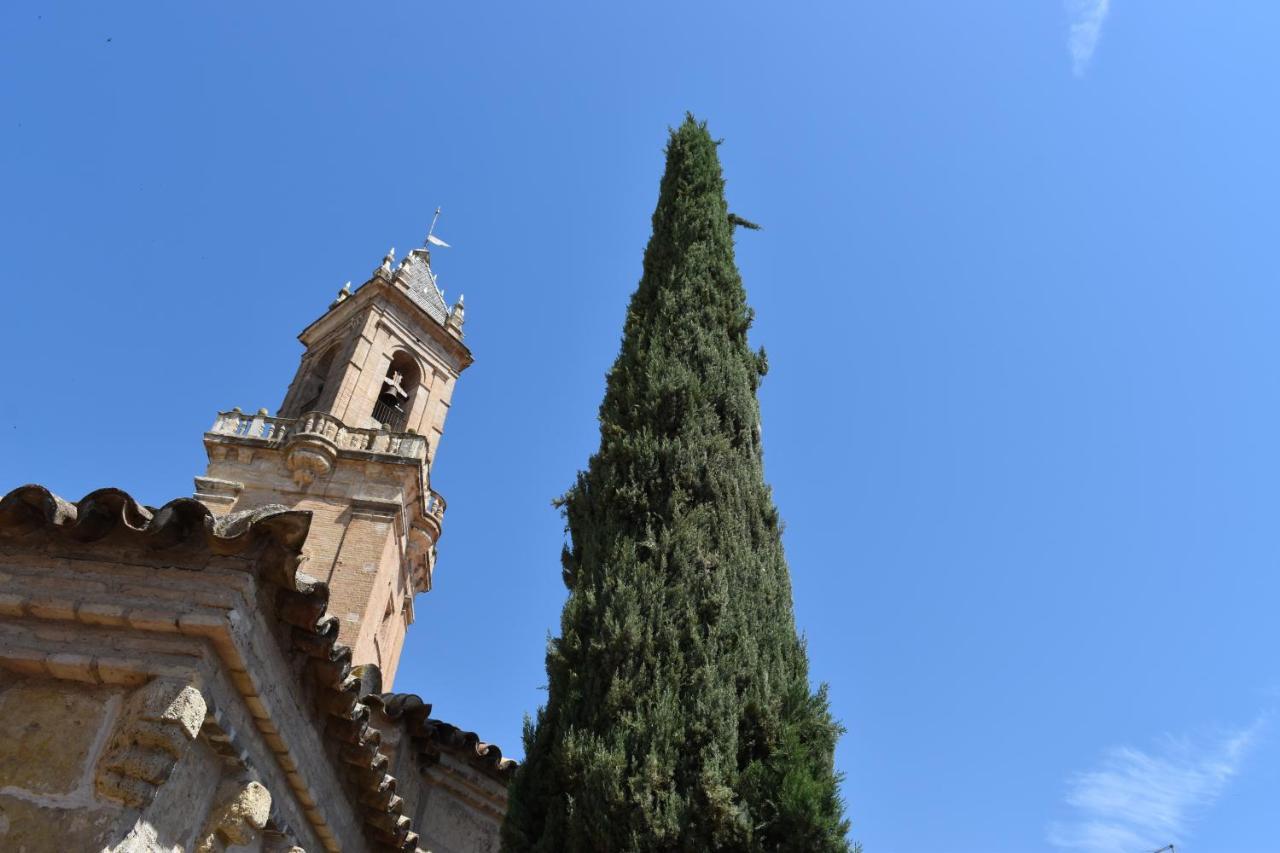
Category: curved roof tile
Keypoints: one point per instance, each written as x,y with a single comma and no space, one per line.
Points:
434,736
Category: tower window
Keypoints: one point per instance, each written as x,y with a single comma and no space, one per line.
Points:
391,410
315,382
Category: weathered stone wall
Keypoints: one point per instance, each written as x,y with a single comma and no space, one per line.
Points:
138,700
52,735
462,809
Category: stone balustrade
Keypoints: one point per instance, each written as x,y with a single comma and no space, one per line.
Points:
279,430
436,506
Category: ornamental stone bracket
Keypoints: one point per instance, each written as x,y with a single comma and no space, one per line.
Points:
157,725
309,457
241,809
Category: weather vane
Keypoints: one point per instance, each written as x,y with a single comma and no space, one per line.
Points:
432,239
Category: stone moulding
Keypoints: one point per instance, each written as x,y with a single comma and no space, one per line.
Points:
269,540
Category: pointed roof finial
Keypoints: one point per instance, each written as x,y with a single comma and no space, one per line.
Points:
384,269
457,315
342,295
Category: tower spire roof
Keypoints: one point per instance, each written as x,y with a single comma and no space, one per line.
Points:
416,275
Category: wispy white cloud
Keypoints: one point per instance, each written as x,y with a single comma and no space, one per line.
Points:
1138,801
1087,18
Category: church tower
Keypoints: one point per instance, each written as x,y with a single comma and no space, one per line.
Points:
353,444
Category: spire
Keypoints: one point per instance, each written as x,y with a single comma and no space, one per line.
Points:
457,316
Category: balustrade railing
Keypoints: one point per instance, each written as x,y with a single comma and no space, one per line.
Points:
436,506
279,430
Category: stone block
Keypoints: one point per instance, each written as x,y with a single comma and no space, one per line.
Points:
152,620
52,608
203,623
72,668
97,613
126,671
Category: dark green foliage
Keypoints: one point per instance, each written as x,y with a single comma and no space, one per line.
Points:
680,716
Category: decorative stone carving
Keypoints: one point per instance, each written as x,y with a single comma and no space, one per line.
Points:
309,459
158,723
240,809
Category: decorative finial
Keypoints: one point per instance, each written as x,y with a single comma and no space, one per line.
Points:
385,269
457,315
342,295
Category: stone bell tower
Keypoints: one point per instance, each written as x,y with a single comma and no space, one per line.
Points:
353,443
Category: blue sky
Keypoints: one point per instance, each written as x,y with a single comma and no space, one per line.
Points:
1017,281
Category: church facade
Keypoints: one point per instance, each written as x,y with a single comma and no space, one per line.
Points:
216,674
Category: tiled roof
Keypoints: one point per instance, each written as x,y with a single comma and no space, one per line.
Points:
415,272
435,736
30,509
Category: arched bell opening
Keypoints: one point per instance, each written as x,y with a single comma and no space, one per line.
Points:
391,410
314,385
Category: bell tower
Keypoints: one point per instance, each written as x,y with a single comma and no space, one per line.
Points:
353,443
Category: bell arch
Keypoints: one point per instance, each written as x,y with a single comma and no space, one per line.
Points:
315,382
400,387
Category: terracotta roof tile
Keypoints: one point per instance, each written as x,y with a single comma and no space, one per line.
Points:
435,736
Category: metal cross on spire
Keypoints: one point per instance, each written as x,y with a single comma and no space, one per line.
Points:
432,239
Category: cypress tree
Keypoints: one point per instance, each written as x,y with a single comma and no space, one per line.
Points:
679,714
